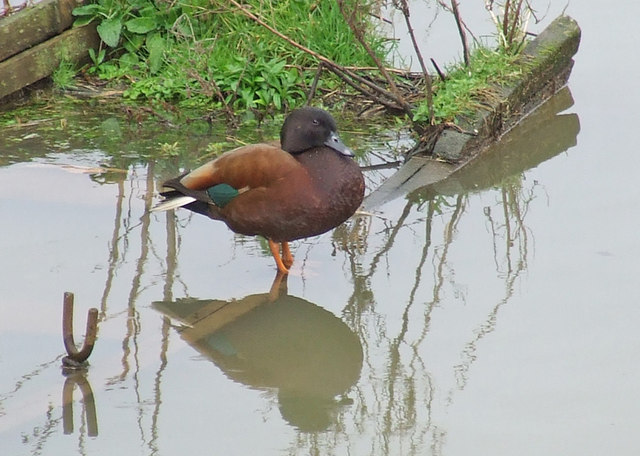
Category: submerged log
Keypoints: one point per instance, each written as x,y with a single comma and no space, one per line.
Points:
550,61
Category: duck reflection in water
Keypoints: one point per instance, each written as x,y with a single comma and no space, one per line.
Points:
274,340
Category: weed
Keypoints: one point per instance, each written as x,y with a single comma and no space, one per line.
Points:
63,75
467,88
205,54
200,53
510,18
169,149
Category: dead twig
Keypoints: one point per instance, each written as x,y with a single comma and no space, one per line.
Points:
442,76
404,7
463,36
314,84
357,28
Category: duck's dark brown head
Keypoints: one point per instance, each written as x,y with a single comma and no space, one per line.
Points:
306,128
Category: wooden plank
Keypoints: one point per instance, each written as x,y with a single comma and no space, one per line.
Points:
40,61
34,25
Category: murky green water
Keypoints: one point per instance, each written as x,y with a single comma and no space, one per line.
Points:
494,313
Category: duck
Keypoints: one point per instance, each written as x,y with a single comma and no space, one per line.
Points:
304,186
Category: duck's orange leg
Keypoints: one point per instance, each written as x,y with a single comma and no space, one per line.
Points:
287,258
275,251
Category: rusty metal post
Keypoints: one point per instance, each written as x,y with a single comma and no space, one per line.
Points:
75,355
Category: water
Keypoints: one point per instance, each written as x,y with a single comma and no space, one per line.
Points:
495,313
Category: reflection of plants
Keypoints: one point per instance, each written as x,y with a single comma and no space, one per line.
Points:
412,391
169,149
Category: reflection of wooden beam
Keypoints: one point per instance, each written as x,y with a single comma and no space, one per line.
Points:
40,61
417,172
219,314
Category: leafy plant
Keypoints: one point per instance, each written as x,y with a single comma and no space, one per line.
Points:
201,53
140,28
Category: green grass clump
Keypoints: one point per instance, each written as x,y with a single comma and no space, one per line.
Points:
468,88
207,53
63,76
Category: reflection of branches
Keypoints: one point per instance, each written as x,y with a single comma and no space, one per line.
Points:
439,270
42,433
157,399
416,359
133,317
27,377
362,294
513,207
114,252
172,264
404,384
404,394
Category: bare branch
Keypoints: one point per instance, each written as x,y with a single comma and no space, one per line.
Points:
463,36
438,70
314,84
357,28
427,79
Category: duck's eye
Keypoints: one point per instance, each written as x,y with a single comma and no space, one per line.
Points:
316,122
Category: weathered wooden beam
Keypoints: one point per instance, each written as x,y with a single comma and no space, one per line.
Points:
35,24
40,61
550,56
550,59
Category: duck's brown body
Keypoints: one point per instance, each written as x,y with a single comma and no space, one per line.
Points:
306,187
281,198
300,204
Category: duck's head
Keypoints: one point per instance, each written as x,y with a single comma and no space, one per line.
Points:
306,128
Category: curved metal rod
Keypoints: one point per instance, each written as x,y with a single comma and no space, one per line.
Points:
67,330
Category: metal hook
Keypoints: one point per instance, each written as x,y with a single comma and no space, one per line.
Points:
77,356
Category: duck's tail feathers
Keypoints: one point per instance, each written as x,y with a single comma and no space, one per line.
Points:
173,203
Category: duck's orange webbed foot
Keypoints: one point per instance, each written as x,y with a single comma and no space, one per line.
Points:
280,263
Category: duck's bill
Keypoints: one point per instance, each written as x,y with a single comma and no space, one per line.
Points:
336,144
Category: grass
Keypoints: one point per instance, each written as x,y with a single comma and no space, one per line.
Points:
467,89
205,54
63,76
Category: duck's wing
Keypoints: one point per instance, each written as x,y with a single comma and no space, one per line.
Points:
248,167
242,169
